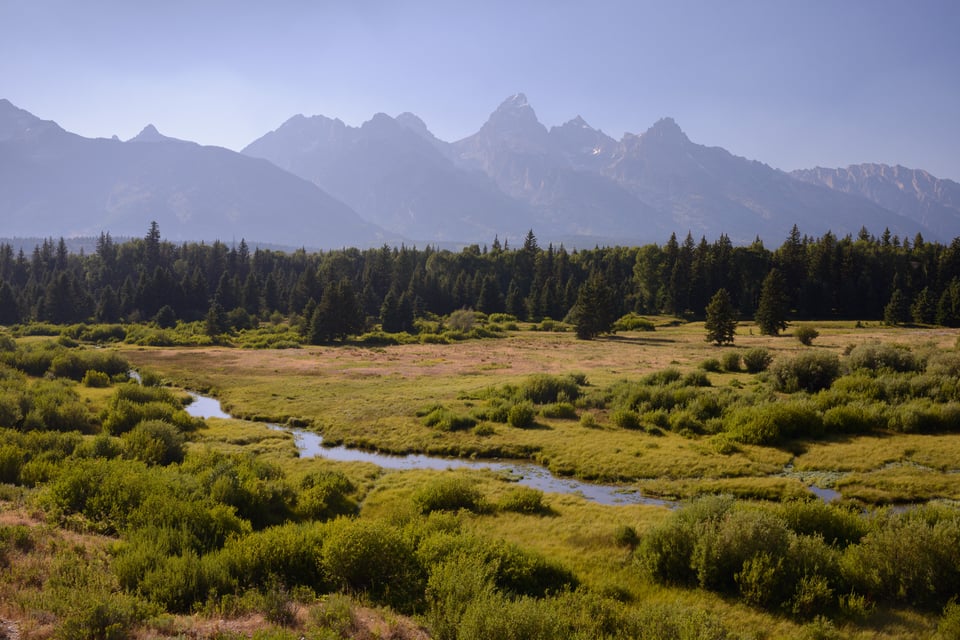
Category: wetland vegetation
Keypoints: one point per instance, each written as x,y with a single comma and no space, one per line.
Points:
122,515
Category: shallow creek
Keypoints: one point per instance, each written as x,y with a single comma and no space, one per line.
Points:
310,445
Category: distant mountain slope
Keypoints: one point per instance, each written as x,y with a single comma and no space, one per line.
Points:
913,193
711,191
53,182
396,174
648,185
551,172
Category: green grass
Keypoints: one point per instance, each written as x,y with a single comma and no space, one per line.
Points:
371,398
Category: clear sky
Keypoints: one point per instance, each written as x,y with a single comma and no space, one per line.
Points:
793,84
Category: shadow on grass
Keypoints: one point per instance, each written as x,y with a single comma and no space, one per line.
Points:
635,339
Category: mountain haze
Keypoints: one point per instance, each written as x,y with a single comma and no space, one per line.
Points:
316,182
570,183
56,182
913,193
395,174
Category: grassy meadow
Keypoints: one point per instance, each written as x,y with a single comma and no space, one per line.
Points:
145,523
371,397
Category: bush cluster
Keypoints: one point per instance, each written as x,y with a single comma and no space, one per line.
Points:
805,559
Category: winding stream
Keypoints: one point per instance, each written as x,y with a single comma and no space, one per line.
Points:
310,445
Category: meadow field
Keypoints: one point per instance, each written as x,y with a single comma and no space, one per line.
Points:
219,529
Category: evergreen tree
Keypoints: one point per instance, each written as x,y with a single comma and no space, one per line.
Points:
721,323
923,310
108,307
897,310
337,315
390,319
9,310
166,317
490,299
771,315
215,322
594,313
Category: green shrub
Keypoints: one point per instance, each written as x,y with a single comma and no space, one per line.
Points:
543,388
720,554
12,459
836,525
633,322
756,360
290,552
7,343
523,500
625,419
662,377
696,379
730,361
336,614
589,421
773,422
521,415
876,357
74,364
625,536
443,419
100,333
112,618
96,379
56,406
810,371
806,334
154,442
559,411
484,430
944,363
449,494
949,624
324,495
374,559
461,320
910,559
453,586
855,417
711,364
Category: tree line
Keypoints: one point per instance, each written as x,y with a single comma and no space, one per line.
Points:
151,279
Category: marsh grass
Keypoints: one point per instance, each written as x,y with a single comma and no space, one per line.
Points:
371,397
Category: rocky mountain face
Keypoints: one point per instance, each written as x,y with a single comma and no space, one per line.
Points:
53,182
913,193
571,183
395,173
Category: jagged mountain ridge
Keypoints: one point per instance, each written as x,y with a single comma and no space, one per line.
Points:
572,181
395,173
53,182
914,193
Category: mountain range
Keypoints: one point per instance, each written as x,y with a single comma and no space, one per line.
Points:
317,182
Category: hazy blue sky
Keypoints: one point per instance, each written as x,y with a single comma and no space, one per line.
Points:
793,84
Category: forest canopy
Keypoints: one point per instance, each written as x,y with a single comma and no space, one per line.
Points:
150,279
